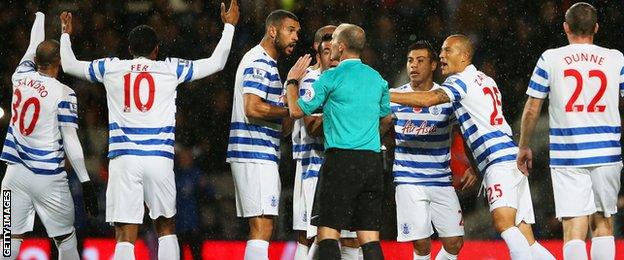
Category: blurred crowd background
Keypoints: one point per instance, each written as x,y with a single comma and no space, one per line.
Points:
509,35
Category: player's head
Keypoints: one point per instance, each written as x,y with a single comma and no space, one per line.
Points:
581,20
422,61
456,54
320,33
347,38
282,27
47,56
324,53
143,42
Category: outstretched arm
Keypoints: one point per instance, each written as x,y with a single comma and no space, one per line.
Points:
420,99
37,35
70,64
216,62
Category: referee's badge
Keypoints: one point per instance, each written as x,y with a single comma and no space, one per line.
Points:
307,94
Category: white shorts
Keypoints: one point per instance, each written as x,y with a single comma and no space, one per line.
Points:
257,188
46,195
584,191
300,217
506,186
135,180
420,206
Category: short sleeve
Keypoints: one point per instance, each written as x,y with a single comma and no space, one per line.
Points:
260,81
316,95
622,82
68,109
539,86
384,106
454,88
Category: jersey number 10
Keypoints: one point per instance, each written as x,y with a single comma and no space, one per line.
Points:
32,101
136,97
592,107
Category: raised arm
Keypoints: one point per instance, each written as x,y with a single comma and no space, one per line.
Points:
216,62
37,35
70,64
420,98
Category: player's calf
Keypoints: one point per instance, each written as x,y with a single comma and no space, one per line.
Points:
422,247
261,228
452,245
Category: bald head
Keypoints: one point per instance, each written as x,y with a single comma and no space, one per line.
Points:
463,43
352,36
47,55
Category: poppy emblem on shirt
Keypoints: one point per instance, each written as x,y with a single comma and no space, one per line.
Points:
417,109
306,94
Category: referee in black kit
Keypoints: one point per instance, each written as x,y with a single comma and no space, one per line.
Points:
354,96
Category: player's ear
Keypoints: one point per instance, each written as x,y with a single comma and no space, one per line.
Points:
596,28
272,31
566,27
154,53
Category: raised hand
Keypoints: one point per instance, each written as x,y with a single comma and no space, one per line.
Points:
232,14
299,69
66,22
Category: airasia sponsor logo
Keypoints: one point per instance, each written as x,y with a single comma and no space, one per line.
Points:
423,129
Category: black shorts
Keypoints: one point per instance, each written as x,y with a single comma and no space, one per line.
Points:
349,192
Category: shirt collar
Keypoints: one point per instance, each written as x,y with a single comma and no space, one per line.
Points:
349,61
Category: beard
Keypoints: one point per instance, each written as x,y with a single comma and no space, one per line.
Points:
281,47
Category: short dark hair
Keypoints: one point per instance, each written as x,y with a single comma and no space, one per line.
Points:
325,38
276,17
424,45
581,18
47,54
142,40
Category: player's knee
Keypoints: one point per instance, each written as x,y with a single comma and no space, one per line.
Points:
164,226
422,246
261,228
453,244
503,219
67,241
350,242
601,226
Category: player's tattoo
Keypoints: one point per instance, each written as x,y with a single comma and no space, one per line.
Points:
441,96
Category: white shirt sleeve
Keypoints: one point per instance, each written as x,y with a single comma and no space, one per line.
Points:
73,150
37,35
71,65
216,62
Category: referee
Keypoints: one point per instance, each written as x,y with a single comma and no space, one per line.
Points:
354,98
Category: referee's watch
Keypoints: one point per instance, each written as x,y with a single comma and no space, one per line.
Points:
292,81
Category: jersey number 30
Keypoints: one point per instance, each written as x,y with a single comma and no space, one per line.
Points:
136,91
21,115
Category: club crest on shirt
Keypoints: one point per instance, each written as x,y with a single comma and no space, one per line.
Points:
435,110
406,228
274,201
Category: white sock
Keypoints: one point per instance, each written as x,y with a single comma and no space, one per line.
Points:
443,255
538,252
517,244
124,251
313,252
168,248
16,243
602,248
302,252
422,257
68,248
349,253
257,249
574,250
